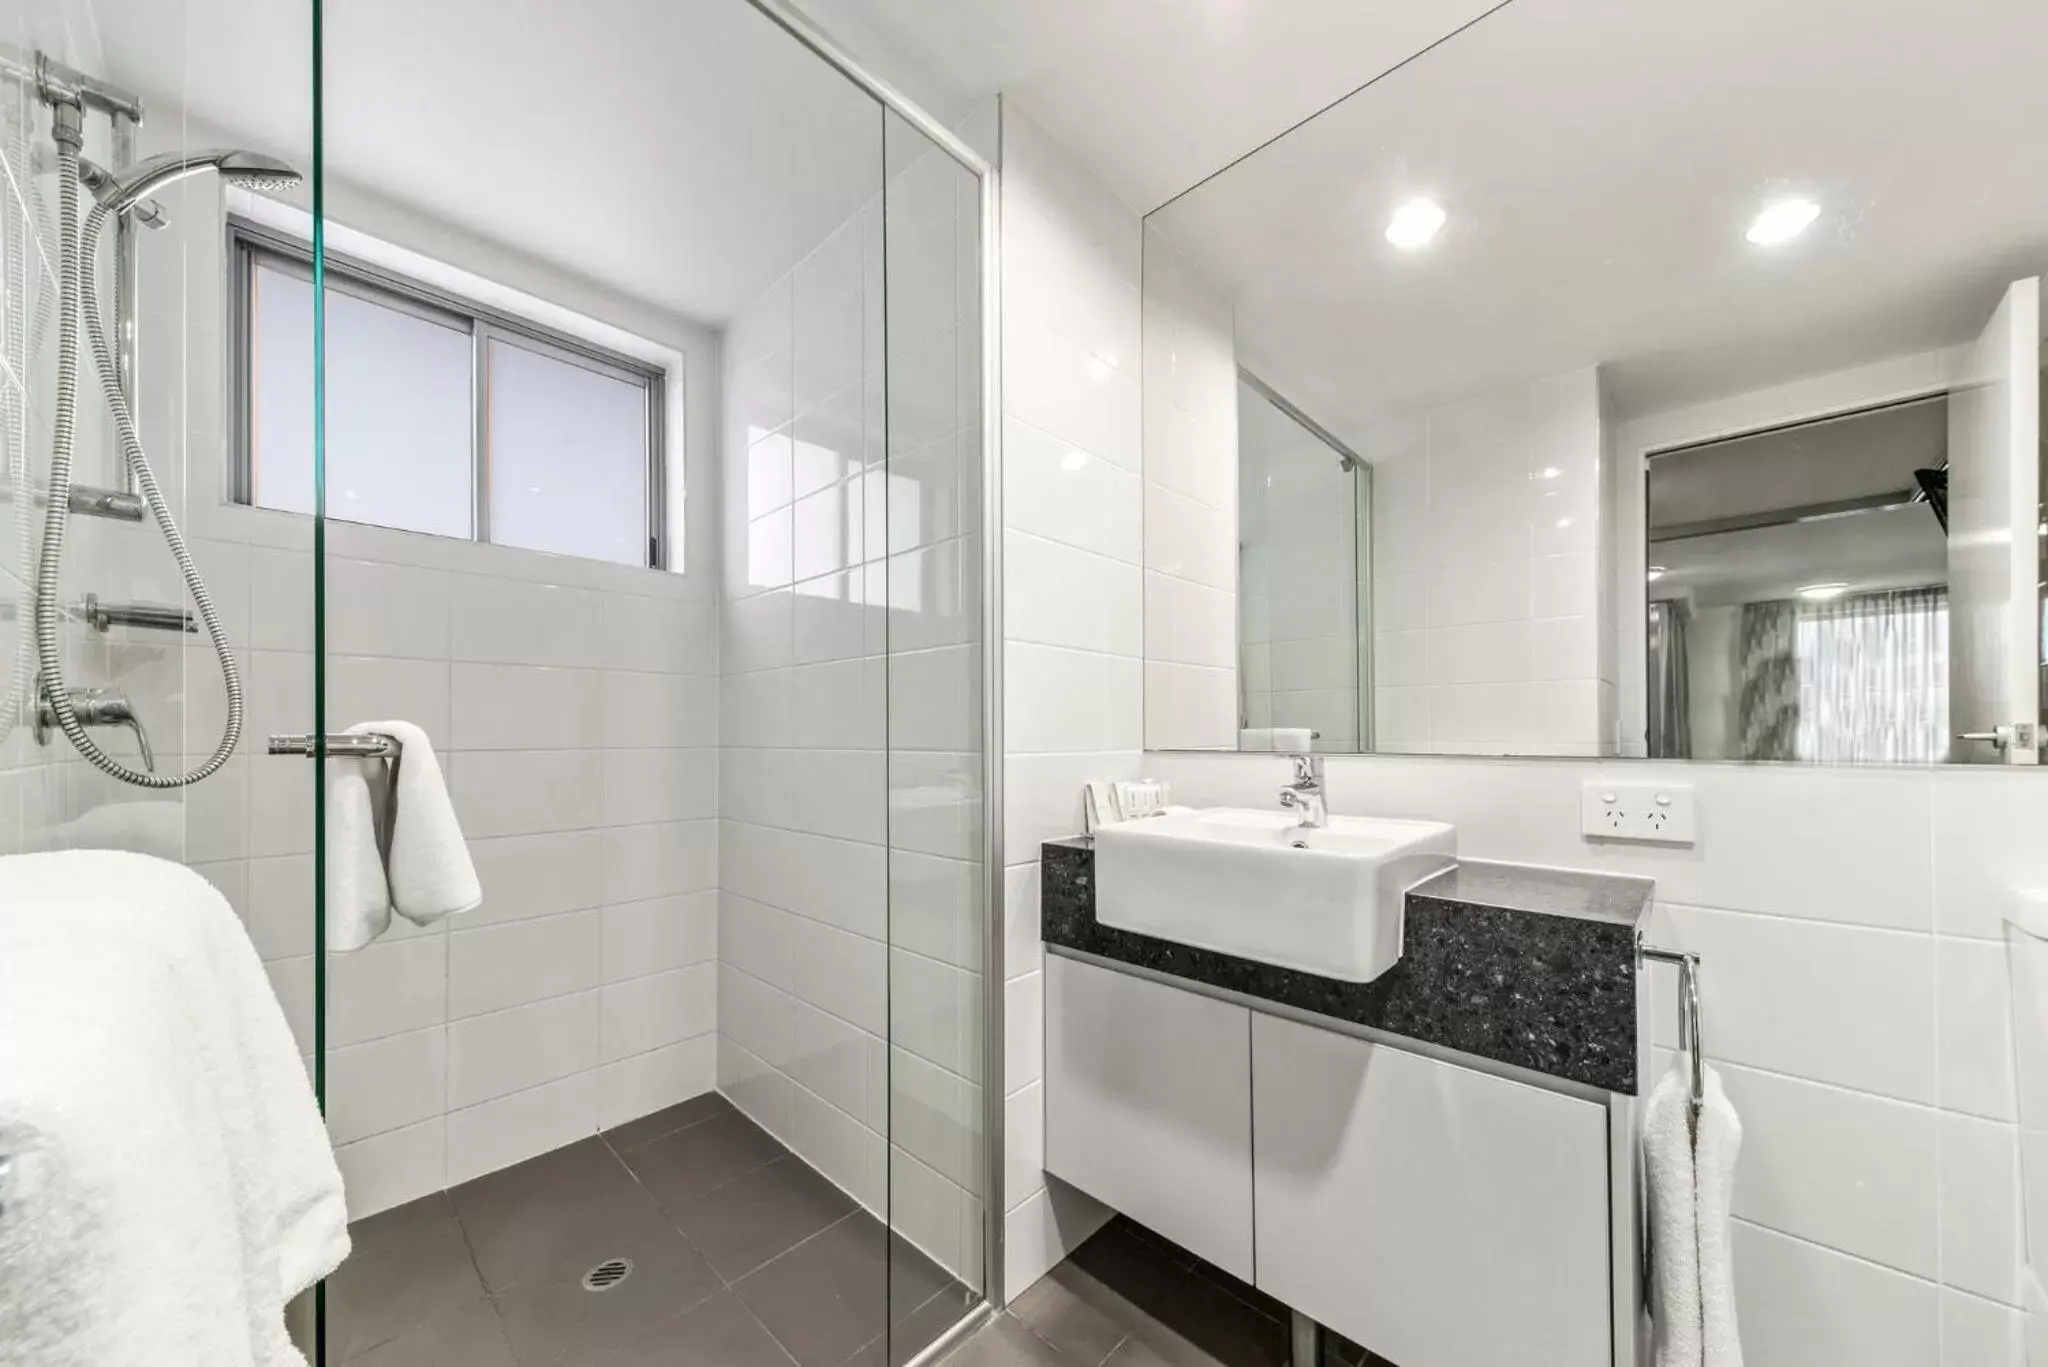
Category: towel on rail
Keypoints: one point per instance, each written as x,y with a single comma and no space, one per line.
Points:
170,1185
1691,1170
393,842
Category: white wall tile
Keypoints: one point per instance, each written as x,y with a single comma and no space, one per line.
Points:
1837,1004
524,1046
519,792
510,1129
526,707
507,621
645,1083
657,860
659,934
1986,848
1800,1304
1980,1333
1982,1238
536,875
492,968
394,1167
387,1084
1974,999
659,1009
387,988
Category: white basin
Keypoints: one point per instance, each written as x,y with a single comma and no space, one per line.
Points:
1254,884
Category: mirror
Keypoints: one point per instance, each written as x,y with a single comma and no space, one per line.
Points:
1538,399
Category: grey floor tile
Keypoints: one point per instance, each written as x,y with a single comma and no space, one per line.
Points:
721,1332
913,1278
560,1322
911,1334
667,1121
400,1221
1135,1352
680,1167
400,1273
555,1216
828,1296
1005,1342
1071,1308
1123,1275
744,1223
468,1337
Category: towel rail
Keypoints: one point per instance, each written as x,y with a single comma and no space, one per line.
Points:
371,745
1688,1013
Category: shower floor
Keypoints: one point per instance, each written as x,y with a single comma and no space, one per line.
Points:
742,1256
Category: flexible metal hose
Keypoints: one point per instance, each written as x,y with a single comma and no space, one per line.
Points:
76,290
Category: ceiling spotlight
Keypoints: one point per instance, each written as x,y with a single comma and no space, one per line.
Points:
1820,593
1656,572
1415,223
1783,221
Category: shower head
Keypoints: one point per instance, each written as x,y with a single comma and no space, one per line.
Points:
122,191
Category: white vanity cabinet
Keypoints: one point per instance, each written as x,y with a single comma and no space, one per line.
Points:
1148,1102
1441,1216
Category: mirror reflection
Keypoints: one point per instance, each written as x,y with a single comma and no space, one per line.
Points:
1685,429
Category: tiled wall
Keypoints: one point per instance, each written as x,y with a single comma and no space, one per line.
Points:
1074,542
574,707
1298,602
851,902
1855,1002
1191,534
1488,536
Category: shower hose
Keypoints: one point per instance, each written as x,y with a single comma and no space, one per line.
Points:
77,293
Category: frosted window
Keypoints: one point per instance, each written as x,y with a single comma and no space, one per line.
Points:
398,409
568,457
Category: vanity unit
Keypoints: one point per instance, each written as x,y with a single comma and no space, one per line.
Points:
1438,1163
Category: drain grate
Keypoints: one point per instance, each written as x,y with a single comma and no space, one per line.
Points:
607,1274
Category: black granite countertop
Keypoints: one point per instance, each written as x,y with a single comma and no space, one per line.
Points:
1527,966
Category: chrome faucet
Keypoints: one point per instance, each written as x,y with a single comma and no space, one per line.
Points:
1305,794
94,707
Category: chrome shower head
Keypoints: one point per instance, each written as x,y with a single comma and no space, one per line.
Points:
122,191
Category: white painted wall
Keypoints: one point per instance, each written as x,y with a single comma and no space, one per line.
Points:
1488,528
1856,1002
1191,490
1074,542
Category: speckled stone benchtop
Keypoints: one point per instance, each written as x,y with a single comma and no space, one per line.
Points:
1527,966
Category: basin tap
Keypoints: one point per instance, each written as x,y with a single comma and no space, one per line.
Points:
1305,794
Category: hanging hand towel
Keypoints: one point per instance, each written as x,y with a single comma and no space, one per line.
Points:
358,896
1674,1220
1718,1141
431,873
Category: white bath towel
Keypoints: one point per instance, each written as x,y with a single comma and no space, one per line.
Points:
358,895
1674,1220
431,873
1717,1142
170,1185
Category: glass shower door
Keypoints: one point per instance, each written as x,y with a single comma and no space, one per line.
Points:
939,902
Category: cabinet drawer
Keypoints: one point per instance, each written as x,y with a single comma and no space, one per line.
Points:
1148,1105
1440,1216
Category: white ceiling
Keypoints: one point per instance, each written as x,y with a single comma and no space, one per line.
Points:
679,153
1892,549
1153,95
1599,161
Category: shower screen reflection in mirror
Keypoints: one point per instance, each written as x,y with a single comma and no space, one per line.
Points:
1696,402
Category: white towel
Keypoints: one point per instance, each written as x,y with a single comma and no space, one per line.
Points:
170,1183
358,895
1674,1220
1717,1142
1691,1169
432,875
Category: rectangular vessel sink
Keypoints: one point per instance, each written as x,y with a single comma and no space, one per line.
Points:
1255,884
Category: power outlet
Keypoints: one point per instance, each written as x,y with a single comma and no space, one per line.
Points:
1662,813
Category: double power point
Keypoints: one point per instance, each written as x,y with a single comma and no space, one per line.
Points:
1660,813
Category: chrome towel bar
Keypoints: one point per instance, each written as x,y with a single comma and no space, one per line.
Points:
372,745
1688,1012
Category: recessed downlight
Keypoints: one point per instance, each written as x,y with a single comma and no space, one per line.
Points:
1656,572
1415,223
1820,593
1782,221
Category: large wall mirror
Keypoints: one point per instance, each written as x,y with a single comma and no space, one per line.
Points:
1564,392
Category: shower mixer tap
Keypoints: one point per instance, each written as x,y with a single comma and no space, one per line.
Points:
95,707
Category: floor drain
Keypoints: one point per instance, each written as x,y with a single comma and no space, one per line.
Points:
607,1274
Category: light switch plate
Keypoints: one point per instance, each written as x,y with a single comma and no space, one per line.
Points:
1660,813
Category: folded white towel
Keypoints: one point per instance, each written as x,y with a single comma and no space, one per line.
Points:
170,1183
432,875
1717,1142
1674,1220
358,896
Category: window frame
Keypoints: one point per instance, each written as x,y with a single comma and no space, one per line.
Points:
252,245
